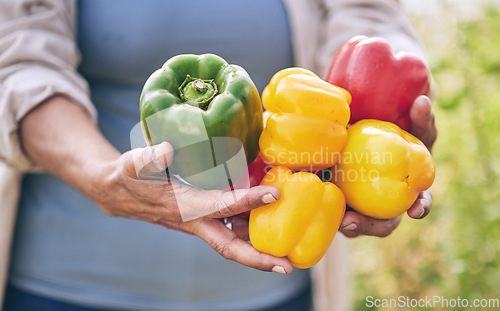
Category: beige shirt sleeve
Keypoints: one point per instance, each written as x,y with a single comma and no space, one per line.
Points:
344,19
9,194
320,27
38,59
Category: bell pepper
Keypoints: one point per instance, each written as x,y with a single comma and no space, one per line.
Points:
307,128
383,169
257,170
190,101
302,223
383,86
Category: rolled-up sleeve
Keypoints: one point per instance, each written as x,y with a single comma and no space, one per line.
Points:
344,19
38,59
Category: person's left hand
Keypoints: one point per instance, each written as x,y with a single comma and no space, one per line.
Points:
424,128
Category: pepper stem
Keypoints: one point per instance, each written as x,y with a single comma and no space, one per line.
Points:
199,85
198,92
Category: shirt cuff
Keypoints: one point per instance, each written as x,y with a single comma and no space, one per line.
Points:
22,91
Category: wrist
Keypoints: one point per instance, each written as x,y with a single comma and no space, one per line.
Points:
101,180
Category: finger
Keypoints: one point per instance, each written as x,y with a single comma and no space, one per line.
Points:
355,224
423,121
348,233
194,203
240,227
231,247
422,205
151,160
230,203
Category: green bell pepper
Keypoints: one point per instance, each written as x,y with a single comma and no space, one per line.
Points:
209,111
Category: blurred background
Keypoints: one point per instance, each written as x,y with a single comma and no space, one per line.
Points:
455,251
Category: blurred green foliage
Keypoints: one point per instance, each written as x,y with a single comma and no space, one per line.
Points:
455,251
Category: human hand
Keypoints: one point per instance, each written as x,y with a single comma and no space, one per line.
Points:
424,128
136,186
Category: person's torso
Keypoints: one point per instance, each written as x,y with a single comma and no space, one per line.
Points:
66,247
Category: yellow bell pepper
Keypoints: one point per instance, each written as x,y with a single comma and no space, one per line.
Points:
302,223
307,128
383,169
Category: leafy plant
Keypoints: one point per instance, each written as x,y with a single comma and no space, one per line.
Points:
455,251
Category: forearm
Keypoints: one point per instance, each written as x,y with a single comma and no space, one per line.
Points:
59,136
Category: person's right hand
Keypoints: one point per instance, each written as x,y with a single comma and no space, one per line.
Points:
120,192
424,128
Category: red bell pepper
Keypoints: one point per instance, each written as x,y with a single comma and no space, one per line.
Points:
257,170
383,85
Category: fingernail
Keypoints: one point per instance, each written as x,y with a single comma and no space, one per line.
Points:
268,198
350,227
421,213
279,269
158,161
156,155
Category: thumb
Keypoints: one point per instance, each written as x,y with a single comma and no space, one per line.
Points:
149,161
235,202
423,121
194,203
